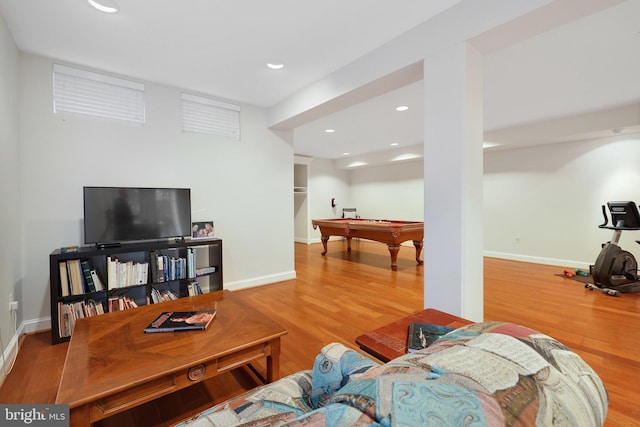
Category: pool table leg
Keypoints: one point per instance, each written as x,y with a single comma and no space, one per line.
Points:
324,239
393,250
418,245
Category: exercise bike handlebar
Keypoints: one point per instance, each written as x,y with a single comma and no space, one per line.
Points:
606,218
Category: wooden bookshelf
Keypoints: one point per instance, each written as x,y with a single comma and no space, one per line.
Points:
132,275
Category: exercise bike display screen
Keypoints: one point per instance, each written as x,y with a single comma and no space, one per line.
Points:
624,215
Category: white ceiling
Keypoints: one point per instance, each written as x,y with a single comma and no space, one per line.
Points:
219,48
577,81
215,47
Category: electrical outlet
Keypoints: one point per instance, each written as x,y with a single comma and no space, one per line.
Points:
13,305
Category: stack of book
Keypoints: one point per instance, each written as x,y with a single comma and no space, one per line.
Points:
77,278
126,273
165,268
162,295
121,303
68,313
193,288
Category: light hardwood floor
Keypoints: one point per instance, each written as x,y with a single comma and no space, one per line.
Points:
342,295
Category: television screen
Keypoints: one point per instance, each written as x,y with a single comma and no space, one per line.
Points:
118,214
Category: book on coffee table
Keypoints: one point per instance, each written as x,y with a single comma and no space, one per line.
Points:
175,321
421,335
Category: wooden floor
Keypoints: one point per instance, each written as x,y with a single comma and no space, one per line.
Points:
342,295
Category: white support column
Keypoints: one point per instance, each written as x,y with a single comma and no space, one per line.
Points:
453,265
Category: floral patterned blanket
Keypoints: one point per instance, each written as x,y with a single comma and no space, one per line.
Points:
484,374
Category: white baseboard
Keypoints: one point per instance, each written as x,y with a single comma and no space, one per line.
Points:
302,240
36,325
539,260
259,281
10,352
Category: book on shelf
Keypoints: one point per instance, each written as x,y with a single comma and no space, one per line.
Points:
191,263
93,308
96,280
176,321
193,288
421,335
76,278
160,274
86,272
153,261
162,295
205,270
65,290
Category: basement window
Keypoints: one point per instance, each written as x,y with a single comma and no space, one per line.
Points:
83,92
209,116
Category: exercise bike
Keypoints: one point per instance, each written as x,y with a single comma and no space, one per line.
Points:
616,270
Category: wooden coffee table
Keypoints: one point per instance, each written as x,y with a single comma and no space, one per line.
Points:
112,365
390,341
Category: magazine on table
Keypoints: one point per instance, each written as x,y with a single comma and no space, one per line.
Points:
175,321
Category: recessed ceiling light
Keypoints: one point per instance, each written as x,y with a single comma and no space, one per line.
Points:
402,108
356,164
329,130
486,144
275,65
106,6
406,156
394,144
345,154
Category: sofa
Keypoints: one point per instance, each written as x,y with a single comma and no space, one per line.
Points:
483,374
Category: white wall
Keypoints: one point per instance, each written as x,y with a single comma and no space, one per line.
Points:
551,196
252,214
325,183
10,214
565,71
394,191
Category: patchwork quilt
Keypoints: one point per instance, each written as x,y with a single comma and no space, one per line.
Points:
485,374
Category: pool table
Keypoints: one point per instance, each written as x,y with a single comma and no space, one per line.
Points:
385,231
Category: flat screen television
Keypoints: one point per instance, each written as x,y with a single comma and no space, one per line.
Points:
123,214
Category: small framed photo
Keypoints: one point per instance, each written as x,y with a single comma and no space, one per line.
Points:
202,230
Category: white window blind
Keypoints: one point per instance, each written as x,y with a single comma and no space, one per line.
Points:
83,92
208,116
